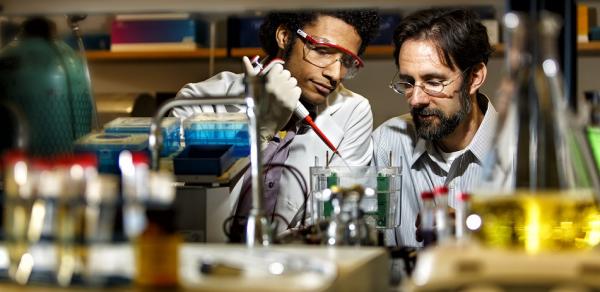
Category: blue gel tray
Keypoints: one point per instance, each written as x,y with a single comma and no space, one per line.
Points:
204,159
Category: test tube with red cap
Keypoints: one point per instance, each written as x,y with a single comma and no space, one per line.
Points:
427,218
442,224
461,215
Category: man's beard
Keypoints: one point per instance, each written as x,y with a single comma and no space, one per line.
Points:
430,130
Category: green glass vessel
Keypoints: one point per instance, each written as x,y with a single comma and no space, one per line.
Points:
47,80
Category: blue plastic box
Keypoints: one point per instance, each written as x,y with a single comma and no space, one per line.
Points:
108,146
219,129
204,159
170,127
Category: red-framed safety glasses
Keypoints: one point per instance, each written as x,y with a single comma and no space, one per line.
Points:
323,53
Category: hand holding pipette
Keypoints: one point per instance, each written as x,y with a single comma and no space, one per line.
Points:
277,107
300,111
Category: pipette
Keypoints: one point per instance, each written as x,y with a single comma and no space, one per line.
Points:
300,111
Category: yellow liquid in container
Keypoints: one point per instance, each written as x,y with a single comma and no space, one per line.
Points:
539,221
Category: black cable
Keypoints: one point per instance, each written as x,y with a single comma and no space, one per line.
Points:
295,172
303,186
301,181
232,217
244,191
285,221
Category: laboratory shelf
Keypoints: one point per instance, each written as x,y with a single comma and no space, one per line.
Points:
90,7
200,53
374,51
592,47
240,52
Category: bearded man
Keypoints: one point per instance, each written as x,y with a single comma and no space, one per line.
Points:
441,56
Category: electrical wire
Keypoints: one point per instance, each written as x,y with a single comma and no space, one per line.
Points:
303,186
300,179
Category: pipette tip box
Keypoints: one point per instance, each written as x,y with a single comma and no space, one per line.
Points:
108,146
170,128
218,129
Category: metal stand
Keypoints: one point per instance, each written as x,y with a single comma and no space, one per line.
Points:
258,228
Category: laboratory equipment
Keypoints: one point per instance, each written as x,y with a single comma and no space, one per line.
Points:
108,146
47,81
300,111
381,209
463,207
314,46
204,159
218,129
476,268
593,128
542,148
55,211
536,222
348,225
170,128
156,242
258,229
73,22
442,218
427,228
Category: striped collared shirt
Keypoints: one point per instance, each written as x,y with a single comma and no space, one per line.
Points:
424,168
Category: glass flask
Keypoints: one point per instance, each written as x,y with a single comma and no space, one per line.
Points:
538,191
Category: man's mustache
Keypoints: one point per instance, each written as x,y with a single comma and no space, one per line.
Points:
426,111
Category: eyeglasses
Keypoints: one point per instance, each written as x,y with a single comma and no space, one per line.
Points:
323,53
431,87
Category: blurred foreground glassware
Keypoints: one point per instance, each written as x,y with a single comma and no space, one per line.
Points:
149,218
541,156
381,210
17,210
54,212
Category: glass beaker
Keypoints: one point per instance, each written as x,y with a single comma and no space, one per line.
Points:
383,187
18,202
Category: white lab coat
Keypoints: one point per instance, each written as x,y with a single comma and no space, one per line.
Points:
346,120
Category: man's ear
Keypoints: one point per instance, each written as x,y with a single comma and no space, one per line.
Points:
478,76
282,35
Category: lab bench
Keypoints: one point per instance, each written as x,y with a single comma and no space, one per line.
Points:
327,269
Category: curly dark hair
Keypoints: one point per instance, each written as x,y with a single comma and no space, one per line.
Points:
458,34
364,21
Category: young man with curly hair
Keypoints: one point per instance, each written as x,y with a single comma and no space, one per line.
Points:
319,49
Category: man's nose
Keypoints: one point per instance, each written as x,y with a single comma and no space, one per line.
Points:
418,98
334,72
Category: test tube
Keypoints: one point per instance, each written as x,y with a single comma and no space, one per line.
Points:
461,215
442,224
316,172
428,218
